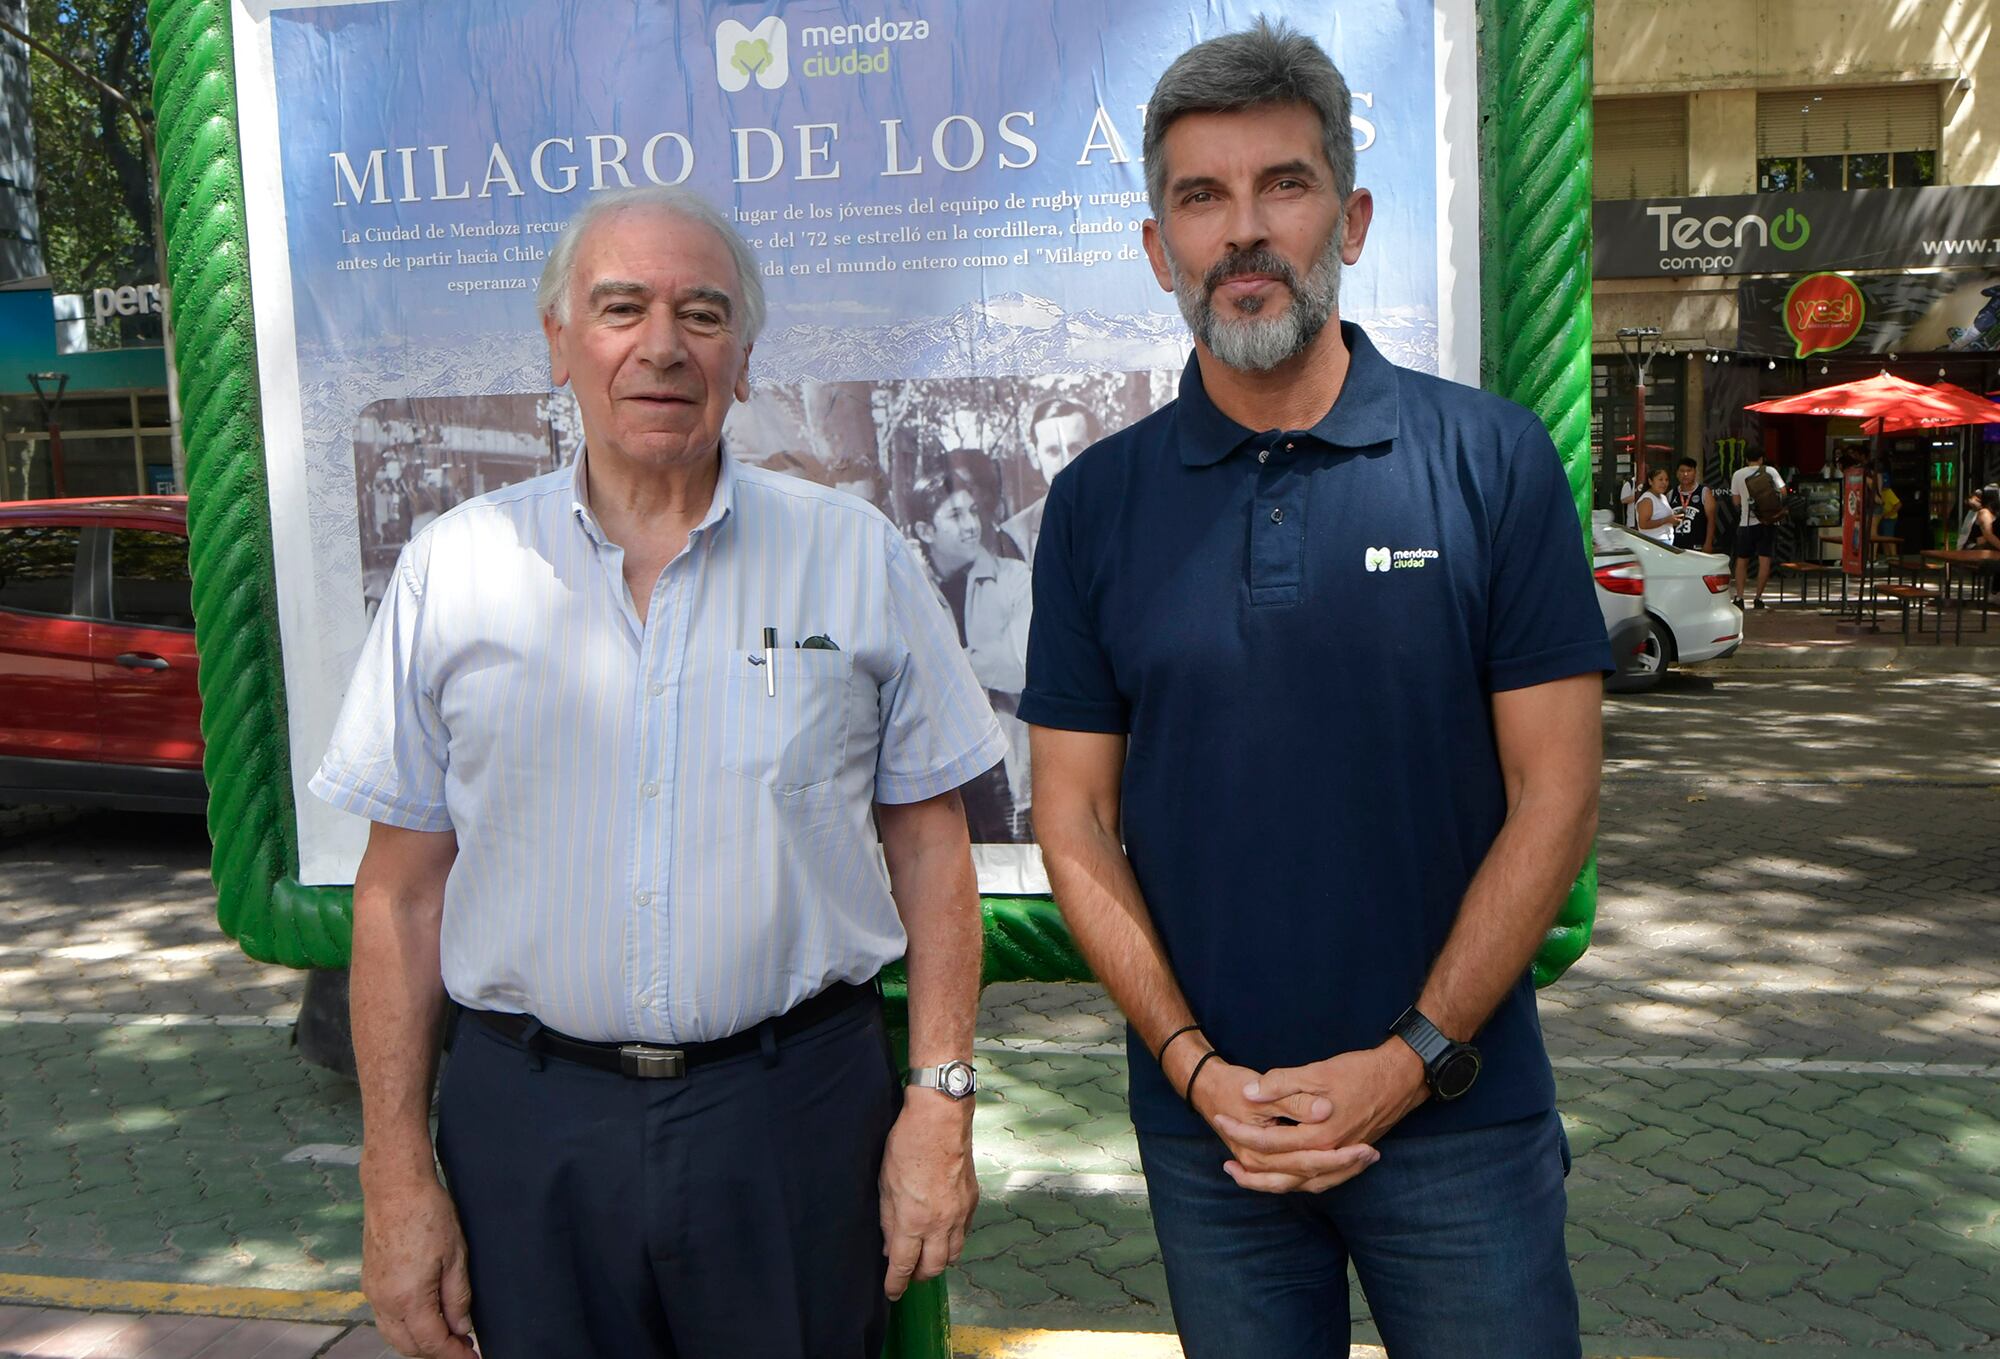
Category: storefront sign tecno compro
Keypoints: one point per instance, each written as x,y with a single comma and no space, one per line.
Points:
1797,232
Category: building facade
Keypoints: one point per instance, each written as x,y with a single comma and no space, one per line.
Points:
1792,193
73,421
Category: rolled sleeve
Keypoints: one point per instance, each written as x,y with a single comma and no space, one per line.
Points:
938,730
1070,682
390,750
1543,622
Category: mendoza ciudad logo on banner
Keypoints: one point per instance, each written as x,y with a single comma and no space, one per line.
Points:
763,52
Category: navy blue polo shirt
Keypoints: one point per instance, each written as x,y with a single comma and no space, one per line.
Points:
1299,631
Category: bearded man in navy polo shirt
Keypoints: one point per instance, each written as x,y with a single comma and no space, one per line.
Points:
1314,681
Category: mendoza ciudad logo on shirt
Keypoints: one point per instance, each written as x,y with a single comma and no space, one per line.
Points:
1397,559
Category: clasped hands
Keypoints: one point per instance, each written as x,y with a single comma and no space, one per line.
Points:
1306,1128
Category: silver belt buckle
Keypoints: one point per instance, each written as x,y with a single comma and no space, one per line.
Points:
649,1063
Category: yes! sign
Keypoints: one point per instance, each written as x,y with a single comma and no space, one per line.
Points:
1822,312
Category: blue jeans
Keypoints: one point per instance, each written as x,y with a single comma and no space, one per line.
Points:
1457,1240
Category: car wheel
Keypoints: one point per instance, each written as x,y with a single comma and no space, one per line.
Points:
1653,658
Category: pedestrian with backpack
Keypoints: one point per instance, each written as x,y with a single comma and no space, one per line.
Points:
1760,508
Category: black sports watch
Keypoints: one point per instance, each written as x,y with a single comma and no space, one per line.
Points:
1449,1068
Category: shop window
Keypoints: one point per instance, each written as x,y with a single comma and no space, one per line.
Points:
1870,138
1613,417
98,465
93,413
111,445
1875,170
149,579
1820,172
38,568
1913,169
1868,172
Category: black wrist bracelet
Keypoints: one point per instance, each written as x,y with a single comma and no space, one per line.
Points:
1161,1055
1187,1095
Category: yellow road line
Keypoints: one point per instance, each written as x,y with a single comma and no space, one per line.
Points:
215,1300
278,1304
989,1342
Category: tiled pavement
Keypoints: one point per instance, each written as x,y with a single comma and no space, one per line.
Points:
1780,1063
60,1334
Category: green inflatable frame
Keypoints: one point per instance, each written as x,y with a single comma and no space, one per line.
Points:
1534,156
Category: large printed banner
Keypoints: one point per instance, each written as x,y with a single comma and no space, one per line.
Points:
946,197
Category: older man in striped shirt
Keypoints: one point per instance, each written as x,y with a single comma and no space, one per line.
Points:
625,732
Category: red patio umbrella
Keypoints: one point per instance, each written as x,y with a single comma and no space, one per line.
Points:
1957,407
1888,404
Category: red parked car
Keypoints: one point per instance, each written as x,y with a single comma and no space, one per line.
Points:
98,705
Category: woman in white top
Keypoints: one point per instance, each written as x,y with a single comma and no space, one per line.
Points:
1657,515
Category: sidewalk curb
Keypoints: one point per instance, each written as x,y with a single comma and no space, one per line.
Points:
1893,658
208,1300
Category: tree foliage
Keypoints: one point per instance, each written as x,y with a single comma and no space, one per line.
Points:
92,187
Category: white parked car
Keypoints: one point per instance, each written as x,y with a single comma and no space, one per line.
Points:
1684,599
1621,596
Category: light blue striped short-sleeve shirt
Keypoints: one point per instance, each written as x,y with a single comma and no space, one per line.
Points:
650,844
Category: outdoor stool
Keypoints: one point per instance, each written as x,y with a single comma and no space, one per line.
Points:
1905,596
1917,568
1973,591
1807,572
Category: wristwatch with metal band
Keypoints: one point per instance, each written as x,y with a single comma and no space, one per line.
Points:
955,1079
1449,1068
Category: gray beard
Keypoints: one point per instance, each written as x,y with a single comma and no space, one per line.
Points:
1249,341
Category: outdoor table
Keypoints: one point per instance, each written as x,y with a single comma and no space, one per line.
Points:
1952,556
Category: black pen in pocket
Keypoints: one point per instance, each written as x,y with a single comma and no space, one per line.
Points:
770,662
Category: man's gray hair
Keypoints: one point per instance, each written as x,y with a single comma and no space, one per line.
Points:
552,296
1268,64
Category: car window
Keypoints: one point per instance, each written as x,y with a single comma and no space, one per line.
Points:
38,568
149,579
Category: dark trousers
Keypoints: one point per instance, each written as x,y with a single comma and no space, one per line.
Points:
1457,1239
730,1214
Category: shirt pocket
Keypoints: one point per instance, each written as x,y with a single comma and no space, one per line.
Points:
786,722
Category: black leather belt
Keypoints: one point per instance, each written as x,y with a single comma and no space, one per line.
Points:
653,1061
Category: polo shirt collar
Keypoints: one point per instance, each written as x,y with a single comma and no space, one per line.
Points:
1364,415
719,507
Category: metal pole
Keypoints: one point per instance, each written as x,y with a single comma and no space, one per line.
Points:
1639,434
56,473
51,408
1639,337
